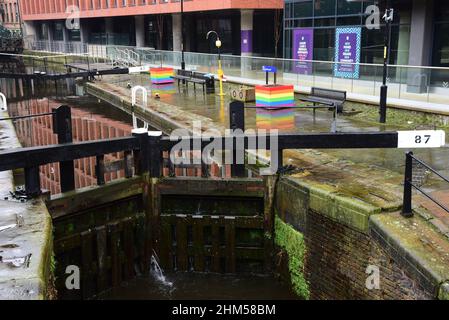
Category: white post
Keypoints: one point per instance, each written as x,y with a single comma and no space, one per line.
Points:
134,91
4,105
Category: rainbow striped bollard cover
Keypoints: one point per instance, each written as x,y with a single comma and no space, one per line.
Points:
161,75
275,96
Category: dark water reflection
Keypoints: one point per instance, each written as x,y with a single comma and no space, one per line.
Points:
203,287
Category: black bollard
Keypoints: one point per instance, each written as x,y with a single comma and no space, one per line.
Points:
237,122
62,126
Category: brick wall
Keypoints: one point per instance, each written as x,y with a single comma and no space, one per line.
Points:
336,261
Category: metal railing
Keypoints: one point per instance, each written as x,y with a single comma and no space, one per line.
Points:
148,150
416,83
409,184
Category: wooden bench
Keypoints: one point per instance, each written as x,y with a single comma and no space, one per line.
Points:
191,76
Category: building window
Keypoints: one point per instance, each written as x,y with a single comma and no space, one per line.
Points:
324,16
441,43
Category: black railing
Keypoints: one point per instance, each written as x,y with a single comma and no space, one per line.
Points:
28,116
147,151
409,184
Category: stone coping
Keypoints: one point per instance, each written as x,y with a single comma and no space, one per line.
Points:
418,247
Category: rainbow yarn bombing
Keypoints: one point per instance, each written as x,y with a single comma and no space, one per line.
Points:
276,96
162,75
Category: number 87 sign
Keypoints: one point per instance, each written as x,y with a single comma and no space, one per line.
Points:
421,139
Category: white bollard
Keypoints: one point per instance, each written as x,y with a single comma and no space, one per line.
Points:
134,92
3,105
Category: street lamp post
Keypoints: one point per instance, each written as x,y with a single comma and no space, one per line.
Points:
388,17
220,69
183,62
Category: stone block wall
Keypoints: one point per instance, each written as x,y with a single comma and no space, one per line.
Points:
339,252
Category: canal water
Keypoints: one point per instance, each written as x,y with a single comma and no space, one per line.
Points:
189,286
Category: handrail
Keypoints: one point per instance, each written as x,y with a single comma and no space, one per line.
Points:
279,60
292,60
407,210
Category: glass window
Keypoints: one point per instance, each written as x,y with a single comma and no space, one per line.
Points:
366,4
325,7
325,22
74,34
288,44
348,7
324,43
441,46
303,23
303,9
349,21
442,11
59,32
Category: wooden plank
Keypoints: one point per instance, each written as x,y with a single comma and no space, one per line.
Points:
86,261
198,244
101,235
240,222
116,270
252,188
128,245
166,244
215,254
181,244
270,185
36,156
75,201
100,170
128,164
230,245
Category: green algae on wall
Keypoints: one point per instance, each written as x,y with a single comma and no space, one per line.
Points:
293,243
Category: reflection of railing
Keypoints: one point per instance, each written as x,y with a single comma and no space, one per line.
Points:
57,46
409,183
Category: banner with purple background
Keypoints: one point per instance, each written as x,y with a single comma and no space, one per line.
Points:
303,50
347,49
247,41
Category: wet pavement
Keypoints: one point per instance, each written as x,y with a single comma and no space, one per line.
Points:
25,235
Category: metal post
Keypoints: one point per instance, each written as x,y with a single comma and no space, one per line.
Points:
408,177
237,122
100,170
154,142
32,182
387,50
183,62
141,156
62,126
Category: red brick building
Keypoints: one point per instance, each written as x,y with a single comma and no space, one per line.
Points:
10,14
245,26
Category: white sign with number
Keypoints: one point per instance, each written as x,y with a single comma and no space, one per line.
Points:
421,139
139,69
